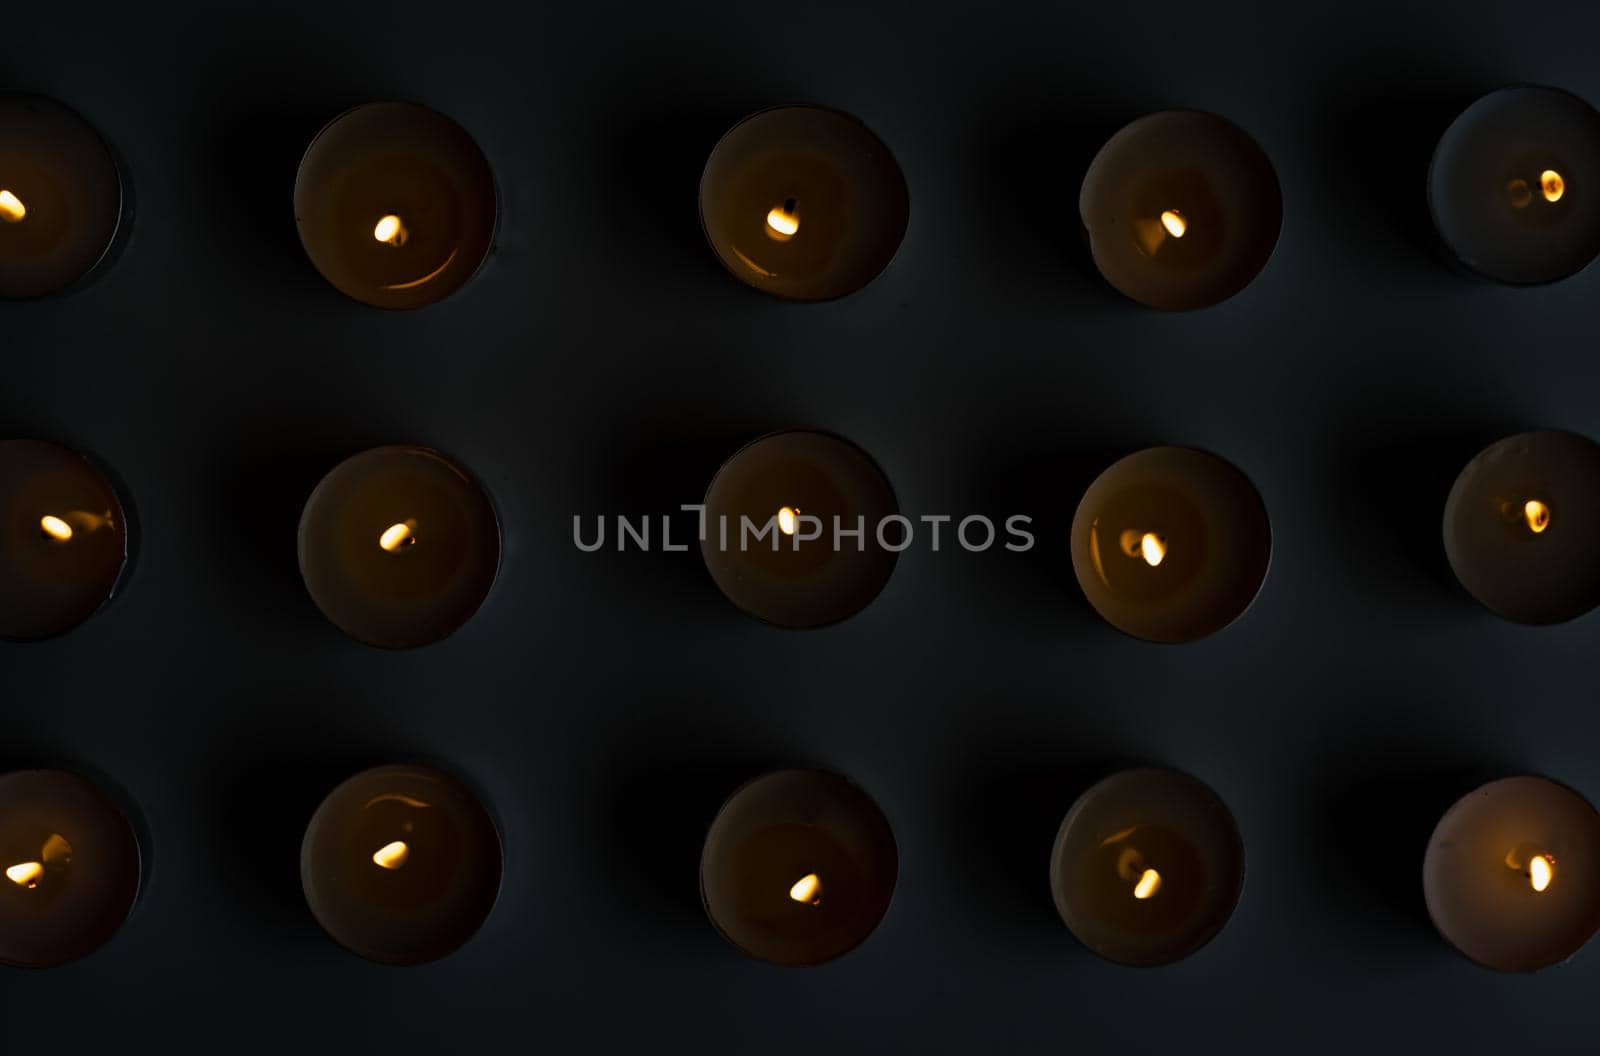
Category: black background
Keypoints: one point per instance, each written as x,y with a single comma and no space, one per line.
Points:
604,363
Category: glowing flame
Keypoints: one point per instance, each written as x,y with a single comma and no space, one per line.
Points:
1541,870
1553,186
397,535
25,874
55,528
783,221
807,889
11,208
1148,545
1174,222
392,230
392,855
788,520
1149,883
1537,514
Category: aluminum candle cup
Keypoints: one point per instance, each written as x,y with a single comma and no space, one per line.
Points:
1171,544
803,202
63,540
399,546
61,198
1147,867
401,864
1182,209
1520,527
1512,874
71,868
769,529
798,867
1509,187
395,204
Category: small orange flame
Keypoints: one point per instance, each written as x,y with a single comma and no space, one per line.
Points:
783,221
1148,545
11,208
1553,186
398,535
1174,222
807,889
1537,515
55,528
788,519
1541,871
25,874
1149,883
392,855
391,229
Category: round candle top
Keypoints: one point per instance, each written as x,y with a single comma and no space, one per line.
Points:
395,204
60,197
1182,209
803,202
63,540
1171,544
71,868
798,867
1521,523
399,546
401,864
1512,874
793,488
1147,867
1509,187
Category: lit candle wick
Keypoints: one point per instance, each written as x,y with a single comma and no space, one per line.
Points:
1537,515
11,208
1148,545
1541,870
398,535
392,855
1174,222
25,874
1149,883
783,221
390,229
788,519
1553,186
807,889
55,528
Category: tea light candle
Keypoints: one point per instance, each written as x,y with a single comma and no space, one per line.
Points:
1508,187
61,198
401,864
1171,544
1520,526
803,202
399,546
1147,867
63,540
70,862
395,204
1512,874
794,487
798,867
1182,209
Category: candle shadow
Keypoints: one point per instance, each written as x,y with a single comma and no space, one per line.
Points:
1391,496
658,461
650,164
1378,152
1005,815
1371,835
246,196
1027,168
660,795
252,520
1044,480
